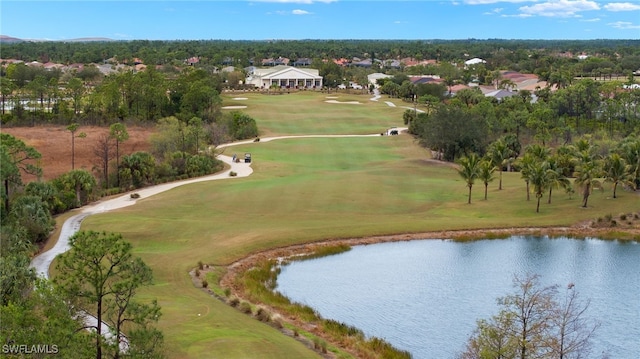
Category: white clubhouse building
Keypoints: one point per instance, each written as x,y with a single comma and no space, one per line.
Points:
285,77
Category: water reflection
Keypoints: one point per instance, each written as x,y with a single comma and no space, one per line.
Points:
425,296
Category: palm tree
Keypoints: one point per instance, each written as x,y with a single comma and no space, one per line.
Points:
469,170
532,154
617,171
587,173
630,151
485,174
540,178
557,177
526,163
499,153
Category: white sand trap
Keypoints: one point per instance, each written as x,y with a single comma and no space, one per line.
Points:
332,96
232,107
344,102
239,98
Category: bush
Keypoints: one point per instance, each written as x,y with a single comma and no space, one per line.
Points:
205,284
135,195
245,307
233,174
319,344
263,315
234,301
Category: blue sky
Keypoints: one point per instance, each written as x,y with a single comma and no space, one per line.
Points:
321,19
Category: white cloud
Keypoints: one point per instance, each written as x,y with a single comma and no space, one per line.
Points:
494,11
518,15
293,12
624,25
622,6
486,2
591,20
306,2
560,8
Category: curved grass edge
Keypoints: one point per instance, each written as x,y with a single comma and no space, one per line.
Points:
253,279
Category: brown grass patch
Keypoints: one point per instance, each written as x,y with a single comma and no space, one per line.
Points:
54,143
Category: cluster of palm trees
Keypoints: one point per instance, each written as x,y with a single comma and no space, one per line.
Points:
544,169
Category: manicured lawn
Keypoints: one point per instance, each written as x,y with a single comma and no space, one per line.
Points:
308,113
306,190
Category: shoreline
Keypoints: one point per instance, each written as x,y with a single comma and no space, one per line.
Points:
228,282
578,231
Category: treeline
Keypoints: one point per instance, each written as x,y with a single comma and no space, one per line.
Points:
243,53
98,276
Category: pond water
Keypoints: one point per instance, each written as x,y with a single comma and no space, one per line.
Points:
425,296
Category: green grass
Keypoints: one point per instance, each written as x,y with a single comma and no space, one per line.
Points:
308,113
306,190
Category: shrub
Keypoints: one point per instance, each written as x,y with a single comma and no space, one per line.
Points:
319,344
200,265
205,284
233,174
277,321
135,195
263,315
227,292
234,301
245,307
197,272
623,217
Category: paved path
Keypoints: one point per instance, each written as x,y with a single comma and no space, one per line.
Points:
42,262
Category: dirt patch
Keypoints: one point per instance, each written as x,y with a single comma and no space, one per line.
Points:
54,143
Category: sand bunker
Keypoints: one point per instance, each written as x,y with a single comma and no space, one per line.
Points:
344,102
232,107
240,98
332,96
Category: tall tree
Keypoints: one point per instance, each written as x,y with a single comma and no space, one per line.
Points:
100,271
469,170
102,150
122,308
73,128
534,322
118,131
75,90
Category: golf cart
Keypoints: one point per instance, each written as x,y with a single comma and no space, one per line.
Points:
247,158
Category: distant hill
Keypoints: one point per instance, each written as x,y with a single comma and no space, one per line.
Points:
9,40
4,39
88,39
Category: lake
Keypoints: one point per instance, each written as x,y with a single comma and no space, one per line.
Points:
425,296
